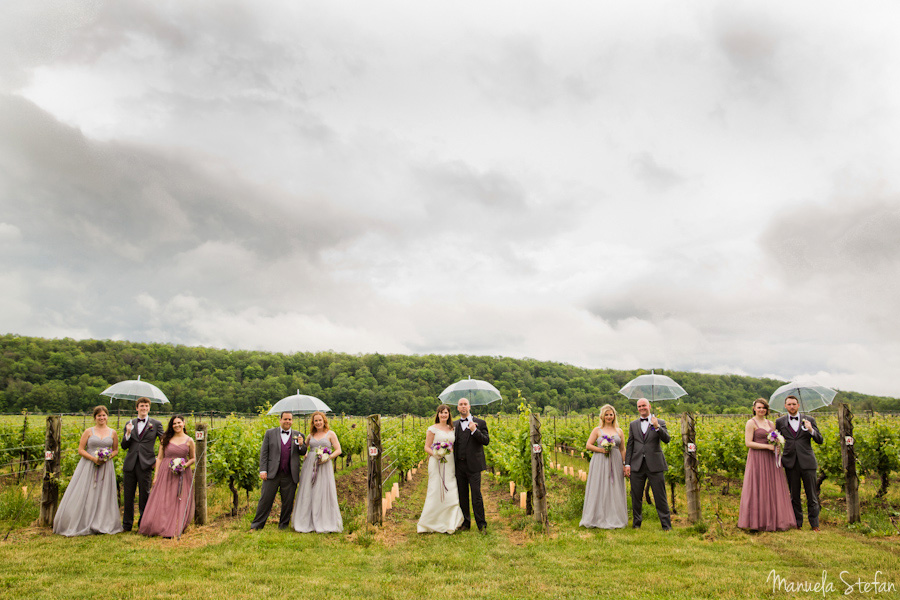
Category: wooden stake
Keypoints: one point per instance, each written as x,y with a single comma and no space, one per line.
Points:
200,514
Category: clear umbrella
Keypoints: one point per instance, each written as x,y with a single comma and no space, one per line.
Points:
299,404
478,392
133,389
652,387
809,394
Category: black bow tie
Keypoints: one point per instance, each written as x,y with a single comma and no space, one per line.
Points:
141,420
644,419
795,418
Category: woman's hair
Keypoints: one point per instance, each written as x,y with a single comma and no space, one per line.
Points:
437,414
312,421
604,409
170,431
100,409
759,401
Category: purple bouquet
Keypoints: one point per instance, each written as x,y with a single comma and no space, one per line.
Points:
103,454
441,450
177,465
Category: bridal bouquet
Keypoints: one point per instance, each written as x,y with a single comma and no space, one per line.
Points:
177,465
441,450
103,454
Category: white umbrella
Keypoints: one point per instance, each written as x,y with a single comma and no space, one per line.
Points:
133,389
478,392
810,395
299,404
652,387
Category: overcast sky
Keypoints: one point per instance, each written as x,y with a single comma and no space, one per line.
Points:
698,186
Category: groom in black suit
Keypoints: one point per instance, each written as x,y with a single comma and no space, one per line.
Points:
279,469
644,459
468,454
799,460
140,437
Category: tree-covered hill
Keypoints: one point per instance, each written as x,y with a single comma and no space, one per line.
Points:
64,375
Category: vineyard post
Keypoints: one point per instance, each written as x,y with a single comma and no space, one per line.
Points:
691,475
200,516
50,487
848,461
373,503
23,458
539,489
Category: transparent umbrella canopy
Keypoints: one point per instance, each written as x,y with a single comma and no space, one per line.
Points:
809,394
133,389
478,392
652,387
300,404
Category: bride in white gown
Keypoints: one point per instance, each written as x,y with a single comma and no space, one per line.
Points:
441,513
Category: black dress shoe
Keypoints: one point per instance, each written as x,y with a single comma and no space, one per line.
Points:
482,528
464,527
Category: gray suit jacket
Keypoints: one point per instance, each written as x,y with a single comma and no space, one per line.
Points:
270,453
798,452
642,448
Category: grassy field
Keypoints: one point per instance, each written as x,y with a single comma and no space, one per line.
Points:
513,560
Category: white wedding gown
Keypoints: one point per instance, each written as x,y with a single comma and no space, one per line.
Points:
441,513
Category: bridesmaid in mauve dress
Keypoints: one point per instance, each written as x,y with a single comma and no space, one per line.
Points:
91,504
604,494
170,506
316,507
765,499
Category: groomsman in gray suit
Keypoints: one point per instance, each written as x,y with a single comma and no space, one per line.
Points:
799,460
279,469
644,459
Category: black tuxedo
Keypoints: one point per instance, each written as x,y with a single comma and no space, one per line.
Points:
468,457
645,456
276,480
137,469
799,462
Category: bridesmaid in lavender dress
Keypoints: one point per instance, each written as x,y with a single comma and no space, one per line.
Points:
604,494
316,507
90,504
171,504
765,499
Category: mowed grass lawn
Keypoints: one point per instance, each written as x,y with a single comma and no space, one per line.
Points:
513,560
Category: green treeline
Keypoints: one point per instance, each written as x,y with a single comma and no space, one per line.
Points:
64,375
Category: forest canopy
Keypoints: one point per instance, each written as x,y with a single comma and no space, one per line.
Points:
64,376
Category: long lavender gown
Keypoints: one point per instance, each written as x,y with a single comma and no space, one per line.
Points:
604,494
765,499
316,507
171,504
90,504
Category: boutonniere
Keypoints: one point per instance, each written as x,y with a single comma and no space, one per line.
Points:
149,426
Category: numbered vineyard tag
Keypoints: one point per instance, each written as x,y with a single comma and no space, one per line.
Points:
692,447
536,448
848,440
199,435
373,451
48,454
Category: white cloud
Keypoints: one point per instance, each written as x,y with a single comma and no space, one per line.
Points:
692,187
